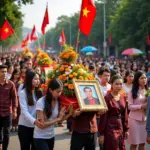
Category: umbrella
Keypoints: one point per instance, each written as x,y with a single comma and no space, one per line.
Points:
89,49
132,51
89,53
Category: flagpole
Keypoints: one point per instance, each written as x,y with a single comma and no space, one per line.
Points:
39,43
44,42
78,37
16,36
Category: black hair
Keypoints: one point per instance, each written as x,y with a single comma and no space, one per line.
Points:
102,70
53,85
27,59
135,87
114,72
30,74
128,72
86,88
3,66
13,74
114,78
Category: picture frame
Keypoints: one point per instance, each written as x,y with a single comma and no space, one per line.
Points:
89,96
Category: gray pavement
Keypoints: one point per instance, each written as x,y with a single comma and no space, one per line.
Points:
62,140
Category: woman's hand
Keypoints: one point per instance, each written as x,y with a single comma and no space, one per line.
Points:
39,123
126,135
148,139
62,113
144,106
76,113
101,139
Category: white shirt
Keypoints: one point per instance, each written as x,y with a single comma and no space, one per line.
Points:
104,89
8,76
46,133
126,89
28,113
20,88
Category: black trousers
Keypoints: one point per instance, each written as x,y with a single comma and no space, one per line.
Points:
25,135
83,140
44,144
5,123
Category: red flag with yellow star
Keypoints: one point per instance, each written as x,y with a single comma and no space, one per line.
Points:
87,16
6,30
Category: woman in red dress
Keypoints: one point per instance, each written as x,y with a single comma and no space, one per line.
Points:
113,126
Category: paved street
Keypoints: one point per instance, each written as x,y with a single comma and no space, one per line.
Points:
62,140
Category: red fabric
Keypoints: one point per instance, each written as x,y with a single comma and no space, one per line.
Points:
86,19
112,127
69,101
62,39
33,34
148,39
110,38
25,41
45,21
6,30
91,101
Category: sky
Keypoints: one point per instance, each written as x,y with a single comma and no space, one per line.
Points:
34,13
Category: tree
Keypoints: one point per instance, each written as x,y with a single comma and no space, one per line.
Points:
131,23
11,11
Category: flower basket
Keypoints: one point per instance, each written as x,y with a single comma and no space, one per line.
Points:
69,102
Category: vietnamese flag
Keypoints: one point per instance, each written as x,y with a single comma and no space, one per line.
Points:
62,38
34,35
87,16
6,30
45,21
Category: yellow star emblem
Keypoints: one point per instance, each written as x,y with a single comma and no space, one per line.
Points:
6,30
85,12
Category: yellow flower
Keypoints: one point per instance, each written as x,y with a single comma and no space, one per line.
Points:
71,76
80,77
67,69
66,84
61,69
74,74
70,86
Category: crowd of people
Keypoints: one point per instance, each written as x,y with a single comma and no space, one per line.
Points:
26,110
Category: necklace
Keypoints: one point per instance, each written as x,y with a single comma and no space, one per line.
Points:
116,97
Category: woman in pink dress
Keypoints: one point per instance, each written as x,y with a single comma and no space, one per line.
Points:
137,117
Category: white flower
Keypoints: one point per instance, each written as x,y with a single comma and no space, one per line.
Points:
67,73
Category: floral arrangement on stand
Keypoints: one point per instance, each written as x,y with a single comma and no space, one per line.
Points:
66,71
27,53
43,59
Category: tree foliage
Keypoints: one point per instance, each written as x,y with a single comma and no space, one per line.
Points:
10,10
127,20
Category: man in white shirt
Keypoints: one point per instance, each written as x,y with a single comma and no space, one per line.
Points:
104,75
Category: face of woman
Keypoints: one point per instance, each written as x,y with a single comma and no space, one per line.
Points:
56,93
17,75
23,70
36,81
130,78
134,67
117,85
38,70
142,80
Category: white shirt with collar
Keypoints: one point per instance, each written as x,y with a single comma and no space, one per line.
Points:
28,113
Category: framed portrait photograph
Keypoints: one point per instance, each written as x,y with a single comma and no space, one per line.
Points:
89,95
